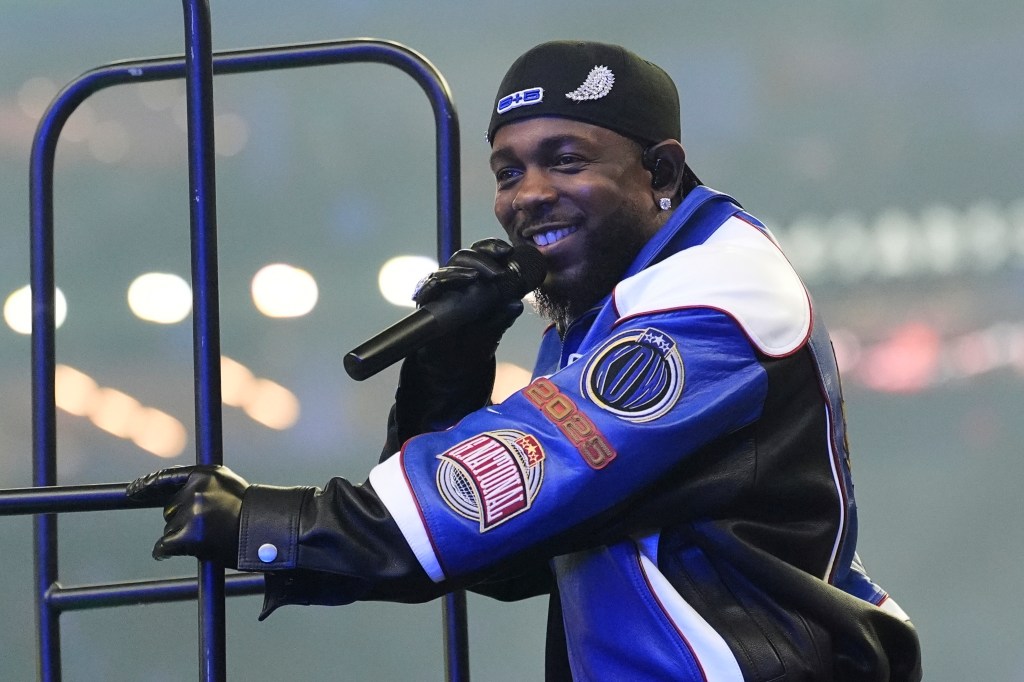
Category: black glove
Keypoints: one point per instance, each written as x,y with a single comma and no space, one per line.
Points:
202,505
452,376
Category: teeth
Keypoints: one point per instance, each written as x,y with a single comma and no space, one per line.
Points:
552,236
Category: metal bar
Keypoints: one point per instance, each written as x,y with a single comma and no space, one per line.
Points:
206,314
44,434
42,272
456,636
69,498
132,592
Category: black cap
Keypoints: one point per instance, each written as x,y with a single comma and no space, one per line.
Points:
597,83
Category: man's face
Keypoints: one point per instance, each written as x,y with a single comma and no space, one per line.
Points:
579,194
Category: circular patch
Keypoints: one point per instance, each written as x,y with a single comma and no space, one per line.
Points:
491,477
637,375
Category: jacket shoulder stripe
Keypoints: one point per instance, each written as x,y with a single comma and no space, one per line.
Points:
738,270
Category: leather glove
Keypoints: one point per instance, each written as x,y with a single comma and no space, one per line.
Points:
452,376
202,505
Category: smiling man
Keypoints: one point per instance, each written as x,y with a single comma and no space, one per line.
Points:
580,194
676,476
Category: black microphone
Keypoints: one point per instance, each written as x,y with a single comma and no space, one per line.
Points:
452,310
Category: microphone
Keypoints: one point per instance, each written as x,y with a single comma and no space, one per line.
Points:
454,309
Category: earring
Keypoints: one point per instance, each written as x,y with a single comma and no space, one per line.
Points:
664,203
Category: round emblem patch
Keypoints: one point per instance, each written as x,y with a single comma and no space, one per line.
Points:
637,375
491,477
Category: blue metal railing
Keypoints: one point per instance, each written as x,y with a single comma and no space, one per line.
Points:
46,499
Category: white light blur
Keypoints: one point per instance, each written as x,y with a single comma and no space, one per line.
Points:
114,411
74,391
235,382
160,297
35,95
230,134
852,247
18,309
159,433
988,231
897,242
263,400
897,245
399,276
118,413
272,405
805,247
941,238
281,290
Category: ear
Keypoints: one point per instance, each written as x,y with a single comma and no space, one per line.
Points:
665,161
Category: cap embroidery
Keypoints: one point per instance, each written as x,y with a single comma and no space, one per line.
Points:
521,98
598,84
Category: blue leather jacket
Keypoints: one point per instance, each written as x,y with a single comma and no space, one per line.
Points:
676,476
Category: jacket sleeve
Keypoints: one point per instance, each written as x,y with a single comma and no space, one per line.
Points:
549,470
338,545
333,545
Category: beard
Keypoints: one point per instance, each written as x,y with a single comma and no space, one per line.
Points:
607,254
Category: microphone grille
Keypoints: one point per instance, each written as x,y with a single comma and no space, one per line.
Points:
529,268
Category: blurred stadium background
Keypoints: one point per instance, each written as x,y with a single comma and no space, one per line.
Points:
880,141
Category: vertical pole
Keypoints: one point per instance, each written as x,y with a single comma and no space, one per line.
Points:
205,313
456,637
449,236
44,408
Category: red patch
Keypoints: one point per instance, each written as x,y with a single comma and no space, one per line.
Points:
595,449
492,477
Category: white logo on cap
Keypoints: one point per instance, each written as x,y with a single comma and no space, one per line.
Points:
598,84
521,98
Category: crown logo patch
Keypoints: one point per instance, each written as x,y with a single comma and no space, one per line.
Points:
599,83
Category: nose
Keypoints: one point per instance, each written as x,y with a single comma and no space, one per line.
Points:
534,190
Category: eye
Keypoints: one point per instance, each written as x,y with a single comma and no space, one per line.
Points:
568,162
505,176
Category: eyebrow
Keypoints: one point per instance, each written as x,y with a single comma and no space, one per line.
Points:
547,145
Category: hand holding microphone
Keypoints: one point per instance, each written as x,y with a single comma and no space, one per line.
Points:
474,286
452,374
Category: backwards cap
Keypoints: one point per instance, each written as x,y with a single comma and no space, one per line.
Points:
605,85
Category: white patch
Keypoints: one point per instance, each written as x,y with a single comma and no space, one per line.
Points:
738,270
598,84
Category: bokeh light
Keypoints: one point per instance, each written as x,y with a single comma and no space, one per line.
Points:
118,413
399,276
18,309
160,297
35,95
263,400
281,290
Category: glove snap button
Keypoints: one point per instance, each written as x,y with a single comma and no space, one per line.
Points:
267,552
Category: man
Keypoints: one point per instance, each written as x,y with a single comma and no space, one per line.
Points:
676,475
